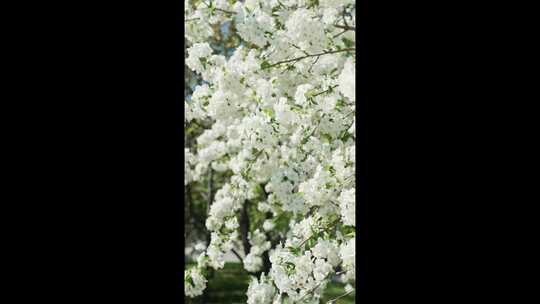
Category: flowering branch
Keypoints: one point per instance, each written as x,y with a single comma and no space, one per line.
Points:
307,56
223,155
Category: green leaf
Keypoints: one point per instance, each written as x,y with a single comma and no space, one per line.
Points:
326,137
348,43
203,61
340,103
313,3
311,242
295,250
348,230
346,135
265,65
269,112
189,280
330,169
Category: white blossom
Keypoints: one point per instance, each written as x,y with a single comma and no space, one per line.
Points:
348,253
194,282
197,56
347,204
260,292
278,117
346,80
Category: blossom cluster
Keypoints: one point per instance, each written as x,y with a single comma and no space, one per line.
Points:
253,261
281,111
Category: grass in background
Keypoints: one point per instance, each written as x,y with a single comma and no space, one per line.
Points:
229,286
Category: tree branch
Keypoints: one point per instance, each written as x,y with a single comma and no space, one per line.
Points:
307,56
345,27
328,90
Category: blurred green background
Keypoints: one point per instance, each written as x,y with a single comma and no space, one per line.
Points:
229,286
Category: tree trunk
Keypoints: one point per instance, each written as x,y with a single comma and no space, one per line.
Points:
265,257
244,228
210,197
266,263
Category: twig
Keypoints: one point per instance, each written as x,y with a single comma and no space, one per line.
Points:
344,19
328,90
349,114
219,9
289,67
345,27
341,296
315,129
304,241
307,56
334,203
225,11
237,255
297,47
311,67
316,286
248,169
329,226
337,35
